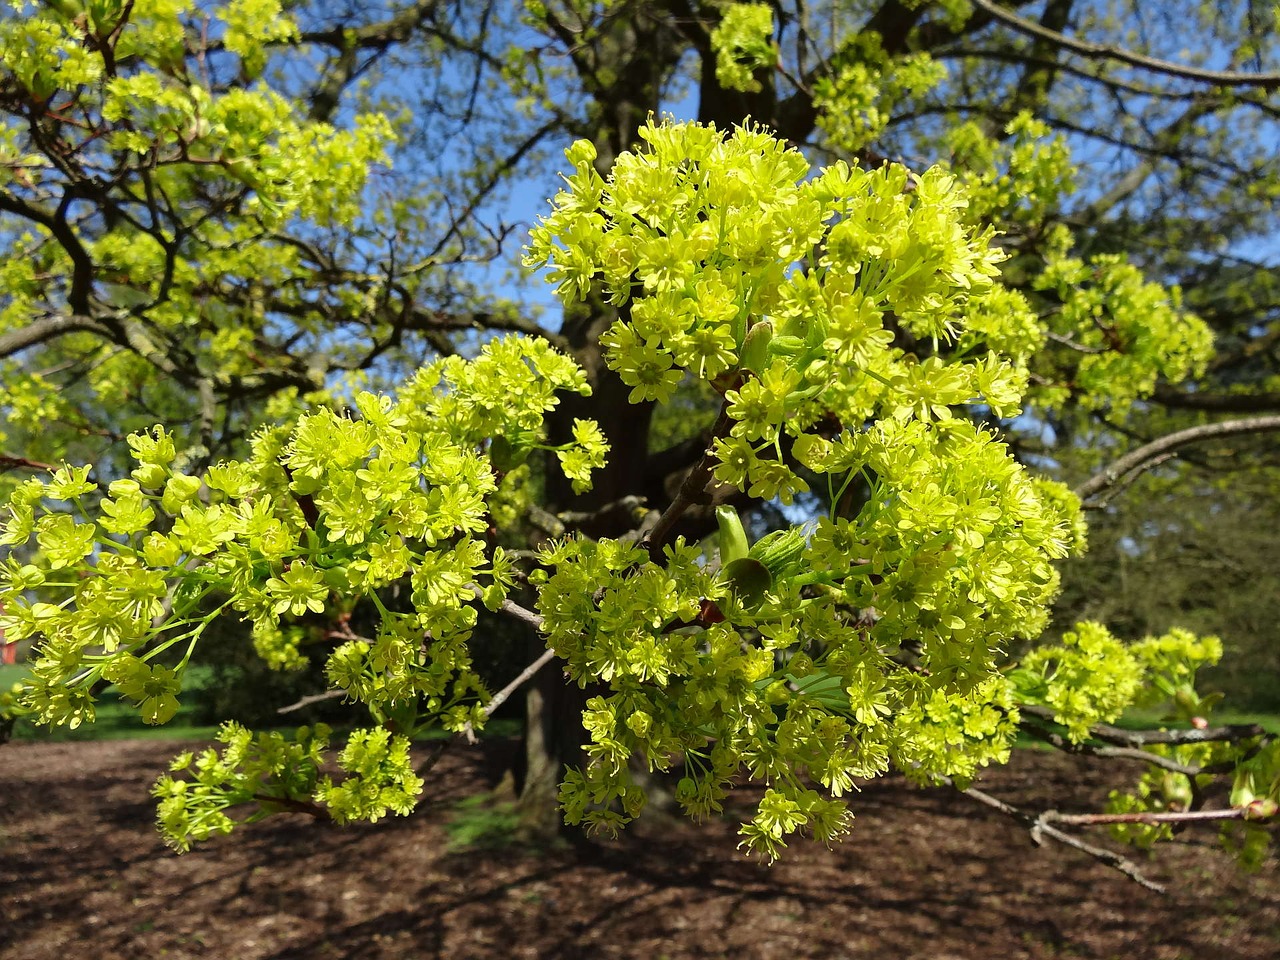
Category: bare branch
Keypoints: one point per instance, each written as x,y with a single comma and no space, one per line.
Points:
498,699
512,609
313,698
1098,51
1059,742
46,328
1217,402
1144,457
10,462
56,224
1146,816
527,673
1039,829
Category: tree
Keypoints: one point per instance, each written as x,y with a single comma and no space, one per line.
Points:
794,310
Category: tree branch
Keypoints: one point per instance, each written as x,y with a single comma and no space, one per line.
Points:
10,462
1059,742
1144,816
498,699
46,328
56,224
1039,829
1217,402
1164,144
1098,51
501,697
1140,738
1144,457
692,490
313,698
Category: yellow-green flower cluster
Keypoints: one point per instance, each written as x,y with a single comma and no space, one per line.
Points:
325,514
1125,332
815,303
268,773
950,557
1091,677
784,289
1018,178
743,43
856,101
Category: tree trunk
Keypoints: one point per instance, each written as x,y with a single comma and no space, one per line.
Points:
623,67
554,736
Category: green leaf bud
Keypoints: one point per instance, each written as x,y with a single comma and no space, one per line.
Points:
755,346
733,538
780,552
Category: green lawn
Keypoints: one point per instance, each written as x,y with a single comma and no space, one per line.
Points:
118,720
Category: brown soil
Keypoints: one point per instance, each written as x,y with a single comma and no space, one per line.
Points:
925,874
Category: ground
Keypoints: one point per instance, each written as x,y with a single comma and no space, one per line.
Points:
925,874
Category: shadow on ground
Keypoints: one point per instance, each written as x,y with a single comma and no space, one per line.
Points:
924,875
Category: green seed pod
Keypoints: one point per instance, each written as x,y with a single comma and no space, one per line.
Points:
785,345
507,453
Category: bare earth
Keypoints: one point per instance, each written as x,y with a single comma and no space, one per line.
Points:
927,875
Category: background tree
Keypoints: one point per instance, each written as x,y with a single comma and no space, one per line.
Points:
201,232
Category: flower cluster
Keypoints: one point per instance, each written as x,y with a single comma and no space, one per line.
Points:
743,44
857,99
815,303
804,677
781,288
326,514
1092,678
1125,333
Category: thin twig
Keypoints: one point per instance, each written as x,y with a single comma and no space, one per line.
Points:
692,490
1041,829
527,673
534,620
313,698
1059,742
559,524
513,609
10,462
1146,816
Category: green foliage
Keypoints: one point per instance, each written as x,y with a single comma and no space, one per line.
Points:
857,102
184,282
743,44
1127,332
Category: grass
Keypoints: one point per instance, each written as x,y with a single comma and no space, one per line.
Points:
483,822
118,719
